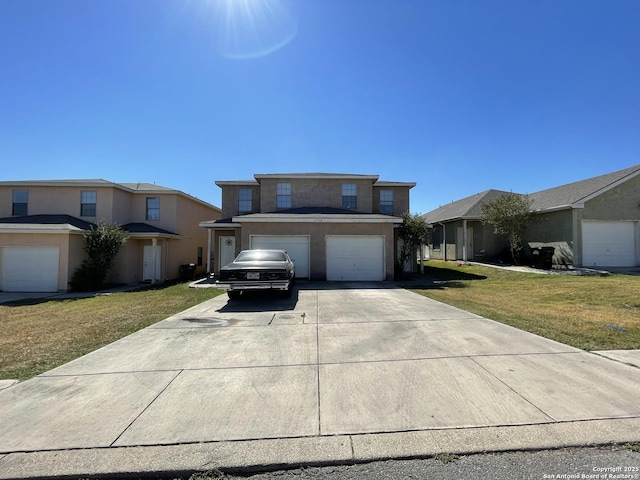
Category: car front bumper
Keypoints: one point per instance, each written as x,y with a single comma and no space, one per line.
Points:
257,285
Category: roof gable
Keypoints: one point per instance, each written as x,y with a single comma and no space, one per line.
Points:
576,193
468,207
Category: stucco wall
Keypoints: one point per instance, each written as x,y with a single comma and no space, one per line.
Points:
619,203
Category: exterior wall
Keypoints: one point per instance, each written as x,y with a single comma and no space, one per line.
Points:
553,229
304,193
400,199
230,199
59,200
185,250
619,203
317,233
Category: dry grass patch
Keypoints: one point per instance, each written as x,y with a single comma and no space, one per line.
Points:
38,335
588,312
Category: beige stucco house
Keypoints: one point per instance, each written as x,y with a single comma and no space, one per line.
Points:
334,226
42,225
591,223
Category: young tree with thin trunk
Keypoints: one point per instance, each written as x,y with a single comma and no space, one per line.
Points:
510,214
102,245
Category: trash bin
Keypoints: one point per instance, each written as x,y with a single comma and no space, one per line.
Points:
188,271
543,257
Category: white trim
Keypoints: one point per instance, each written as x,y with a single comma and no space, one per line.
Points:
213,224
39,228
317,176
315,218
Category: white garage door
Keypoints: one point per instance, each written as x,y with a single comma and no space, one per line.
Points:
30,269
608,244
297,246
355,257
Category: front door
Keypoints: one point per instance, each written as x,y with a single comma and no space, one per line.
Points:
460,242
152,263
227,250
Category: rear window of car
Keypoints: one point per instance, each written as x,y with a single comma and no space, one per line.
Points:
260,256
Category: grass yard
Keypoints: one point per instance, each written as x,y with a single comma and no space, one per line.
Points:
39,334
588,312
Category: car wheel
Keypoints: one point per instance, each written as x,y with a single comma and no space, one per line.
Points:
233,294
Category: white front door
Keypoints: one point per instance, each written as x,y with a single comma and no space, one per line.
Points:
152,263
227,250
460,243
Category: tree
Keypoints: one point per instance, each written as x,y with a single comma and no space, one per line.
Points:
412,233
102,244
510,214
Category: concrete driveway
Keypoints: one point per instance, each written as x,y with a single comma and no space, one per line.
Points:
338,373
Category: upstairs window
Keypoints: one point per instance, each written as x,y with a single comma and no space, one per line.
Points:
245,203
20,202
283,196
88,200
349,196
386,202
153,208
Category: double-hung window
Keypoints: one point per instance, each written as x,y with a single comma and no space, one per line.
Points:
283,196
386,202
153,208
245,203
88,201
349,196
20,202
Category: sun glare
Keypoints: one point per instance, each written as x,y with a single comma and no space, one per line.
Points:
252,28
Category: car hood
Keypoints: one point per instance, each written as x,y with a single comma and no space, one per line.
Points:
255,265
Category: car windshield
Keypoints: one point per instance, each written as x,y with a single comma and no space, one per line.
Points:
260,256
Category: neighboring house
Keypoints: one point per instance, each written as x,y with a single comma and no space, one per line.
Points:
334,226
42,225
591,223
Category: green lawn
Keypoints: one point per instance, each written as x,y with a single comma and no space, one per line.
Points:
40,334
588,312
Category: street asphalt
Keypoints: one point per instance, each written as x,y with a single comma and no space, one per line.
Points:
340,373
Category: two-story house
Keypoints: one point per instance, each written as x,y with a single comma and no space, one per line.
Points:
334,226
42,225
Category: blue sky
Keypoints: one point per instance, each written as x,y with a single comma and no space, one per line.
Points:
458,96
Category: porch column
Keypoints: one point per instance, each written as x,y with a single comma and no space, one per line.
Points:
208,251
464,240
154,255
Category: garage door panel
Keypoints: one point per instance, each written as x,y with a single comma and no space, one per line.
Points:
608,244
355,258
30,269
297,246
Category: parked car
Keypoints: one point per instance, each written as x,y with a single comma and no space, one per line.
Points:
258,270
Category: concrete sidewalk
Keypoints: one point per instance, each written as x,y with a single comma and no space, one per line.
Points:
339,373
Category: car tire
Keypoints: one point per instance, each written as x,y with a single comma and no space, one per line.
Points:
233,294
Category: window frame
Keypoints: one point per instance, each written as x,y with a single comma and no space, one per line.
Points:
386,202
283,196
152,209
88,208
19,207
245,199
349,196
